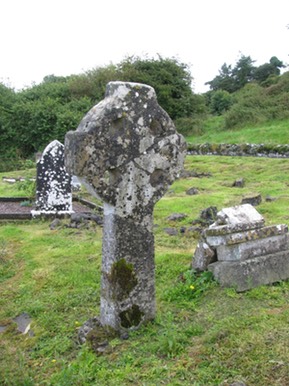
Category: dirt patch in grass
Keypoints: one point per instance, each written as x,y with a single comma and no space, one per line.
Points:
16,207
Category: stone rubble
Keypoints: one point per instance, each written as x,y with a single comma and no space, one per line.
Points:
246,252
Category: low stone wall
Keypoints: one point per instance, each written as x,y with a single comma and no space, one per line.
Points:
243,149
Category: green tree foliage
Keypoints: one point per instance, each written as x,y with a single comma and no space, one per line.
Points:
220,102
232,79
223,81
171,80
47,111
266,70
255,104
7,99
243,71
42,113
92,84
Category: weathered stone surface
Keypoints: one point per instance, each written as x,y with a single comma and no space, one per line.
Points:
23,323
209,214
204,255
253,248
3,329
53,183
270,198
238,215
244,275
126,149
75,184
241,237
192,191
220,230
127,152
171,231
253,200
239,183
56,223
177,216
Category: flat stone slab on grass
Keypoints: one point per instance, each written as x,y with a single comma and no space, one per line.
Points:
237,215
253,248
251,273
248,235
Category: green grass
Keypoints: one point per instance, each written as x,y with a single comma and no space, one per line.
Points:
275,132
202,334
17,189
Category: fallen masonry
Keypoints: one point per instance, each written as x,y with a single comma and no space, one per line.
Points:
241,251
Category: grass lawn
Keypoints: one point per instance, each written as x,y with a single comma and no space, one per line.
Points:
275,132
202,335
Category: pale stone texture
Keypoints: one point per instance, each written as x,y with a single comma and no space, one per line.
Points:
245,249
127,152
238,215
249,249
247,274
204,255
241,237
53,183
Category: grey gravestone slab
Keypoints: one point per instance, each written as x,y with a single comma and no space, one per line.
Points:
247,274
253,248
127,152
53,183
237,215
247,235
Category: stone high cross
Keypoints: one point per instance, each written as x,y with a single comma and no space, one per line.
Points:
127,152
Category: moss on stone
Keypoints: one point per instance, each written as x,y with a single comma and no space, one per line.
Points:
99,337
131,317
123,278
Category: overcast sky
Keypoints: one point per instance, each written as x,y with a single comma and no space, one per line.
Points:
64,37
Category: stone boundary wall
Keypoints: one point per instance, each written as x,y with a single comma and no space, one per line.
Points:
243,149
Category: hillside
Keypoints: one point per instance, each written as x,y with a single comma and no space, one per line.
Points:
274,132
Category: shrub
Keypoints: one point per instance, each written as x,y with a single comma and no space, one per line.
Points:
190,126
221,101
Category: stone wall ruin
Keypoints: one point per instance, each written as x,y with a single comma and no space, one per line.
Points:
241,251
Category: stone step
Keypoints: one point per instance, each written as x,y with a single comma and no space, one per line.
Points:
222,230
245,275
253,248
252,234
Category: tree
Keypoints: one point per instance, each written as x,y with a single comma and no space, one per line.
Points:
223,81
233,79
243,71
47,111
263,72
7,99
170,78
221,101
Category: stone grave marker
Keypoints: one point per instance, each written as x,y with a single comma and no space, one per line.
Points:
127,152
53,183
241,251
